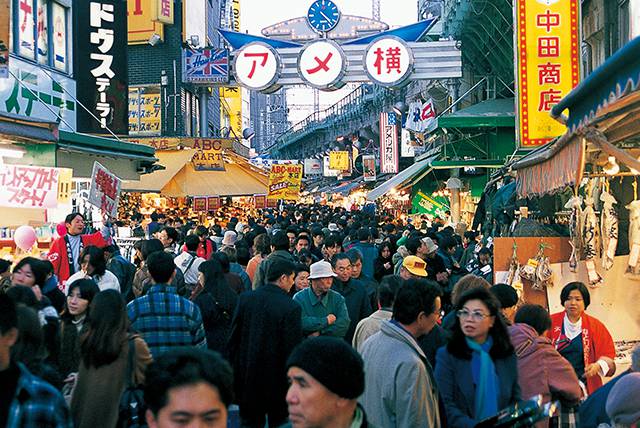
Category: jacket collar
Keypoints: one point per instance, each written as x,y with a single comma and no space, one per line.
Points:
162,288
395,331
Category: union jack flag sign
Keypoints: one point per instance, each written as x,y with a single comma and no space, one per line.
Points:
205,66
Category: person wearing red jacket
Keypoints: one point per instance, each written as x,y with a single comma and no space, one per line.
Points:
582,339
64,252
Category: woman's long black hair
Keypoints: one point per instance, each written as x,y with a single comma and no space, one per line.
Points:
107,325
502,346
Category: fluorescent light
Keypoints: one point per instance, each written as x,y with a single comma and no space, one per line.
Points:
11,153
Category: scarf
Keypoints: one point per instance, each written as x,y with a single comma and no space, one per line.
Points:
485,378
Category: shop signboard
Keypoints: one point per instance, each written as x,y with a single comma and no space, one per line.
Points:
100,65
145,110
547,65
24,186
284,182
257,67
205,66
5,17
369,167
104,192
260,201
322,64
312,167
142,22
388,61
327,171
339,160
213,203
200,204
272,203
388,143
175,143
164,11
39,96
435,206
421,116
208,155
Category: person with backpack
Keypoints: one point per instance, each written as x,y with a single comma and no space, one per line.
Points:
188,262
122,268
112,360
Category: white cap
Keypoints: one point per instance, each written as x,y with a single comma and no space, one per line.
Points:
321,269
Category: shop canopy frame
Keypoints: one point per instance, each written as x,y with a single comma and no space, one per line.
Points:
604,111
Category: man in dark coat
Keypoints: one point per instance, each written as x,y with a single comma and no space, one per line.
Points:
279,251
266,326
353,291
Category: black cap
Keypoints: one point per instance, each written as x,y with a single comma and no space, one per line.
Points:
506,294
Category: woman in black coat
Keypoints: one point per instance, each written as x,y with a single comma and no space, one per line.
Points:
383,265
217,302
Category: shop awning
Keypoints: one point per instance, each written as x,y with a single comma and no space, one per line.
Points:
172,161
616,78
485,114
234,181
86,143
27,130
398,180
345,188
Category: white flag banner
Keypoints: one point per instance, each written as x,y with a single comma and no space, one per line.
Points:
421,116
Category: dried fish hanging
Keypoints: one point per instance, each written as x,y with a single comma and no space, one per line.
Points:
608,227
590,231
538,270
633,270
575,227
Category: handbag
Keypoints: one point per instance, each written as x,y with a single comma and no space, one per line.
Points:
132,408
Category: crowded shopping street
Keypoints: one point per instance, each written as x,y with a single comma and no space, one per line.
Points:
319,213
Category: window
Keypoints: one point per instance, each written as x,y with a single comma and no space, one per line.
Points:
40,29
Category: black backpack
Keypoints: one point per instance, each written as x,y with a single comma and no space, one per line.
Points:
131,412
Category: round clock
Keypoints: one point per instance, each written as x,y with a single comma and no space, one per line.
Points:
323,15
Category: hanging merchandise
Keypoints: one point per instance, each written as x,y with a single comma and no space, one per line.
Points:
633,270
575,227
590,231
513,276
538,271
608,228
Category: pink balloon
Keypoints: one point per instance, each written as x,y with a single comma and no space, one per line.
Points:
61,228
25,237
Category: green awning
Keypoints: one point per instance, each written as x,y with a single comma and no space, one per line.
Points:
485,114
86,143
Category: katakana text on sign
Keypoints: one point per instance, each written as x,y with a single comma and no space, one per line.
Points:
102,38
388,61
29,186
322,64
257,66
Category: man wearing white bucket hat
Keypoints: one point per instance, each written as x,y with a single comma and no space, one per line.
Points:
324,311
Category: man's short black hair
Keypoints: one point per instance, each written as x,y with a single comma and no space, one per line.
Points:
412,244
413,297
4,265
317,231
448,242
161,266
279,267
191,242
354,255
69,218
388,289
534,315
280,241
172,233
364,234
576,285
337,257
8,316
182,367
484,251
333,240
303,238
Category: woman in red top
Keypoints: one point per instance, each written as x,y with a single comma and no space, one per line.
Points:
583,340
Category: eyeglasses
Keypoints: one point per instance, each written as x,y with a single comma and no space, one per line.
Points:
343,268
475,316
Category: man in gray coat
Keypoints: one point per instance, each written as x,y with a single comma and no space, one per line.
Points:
400,390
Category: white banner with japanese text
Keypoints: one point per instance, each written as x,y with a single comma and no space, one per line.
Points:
388,143
34,186
105,190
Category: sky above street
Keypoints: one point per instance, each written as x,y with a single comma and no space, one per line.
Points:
258,14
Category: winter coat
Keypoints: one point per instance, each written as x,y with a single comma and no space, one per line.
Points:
59,258
260,277
541,369
400,390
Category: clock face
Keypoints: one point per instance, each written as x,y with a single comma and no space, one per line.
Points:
323,15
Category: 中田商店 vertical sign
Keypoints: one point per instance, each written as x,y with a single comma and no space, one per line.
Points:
547,65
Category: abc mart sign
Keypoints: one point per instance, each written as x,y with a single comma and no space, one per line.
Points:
387,61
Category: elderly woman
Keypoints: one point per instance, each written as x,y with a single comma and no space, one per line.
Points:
581,339
477,372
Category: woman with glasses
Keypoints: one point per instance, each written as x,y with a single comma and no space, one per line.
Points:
582,339
477,372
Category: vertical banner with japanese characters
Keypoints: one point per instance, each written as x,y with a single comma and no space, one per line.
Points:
100,65
388,143
5,17
547,65
145,110
369,167
284,182
104,192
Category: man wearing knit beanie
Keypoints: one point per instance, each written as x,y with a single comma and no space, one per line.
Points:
623,405
326,378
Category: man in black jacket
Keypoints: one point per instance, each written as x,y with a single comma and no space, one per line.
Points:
266,326
279,251
353,291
